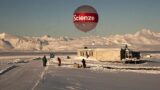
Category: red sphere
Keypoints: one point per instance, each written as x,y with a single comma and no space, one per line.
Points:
85,18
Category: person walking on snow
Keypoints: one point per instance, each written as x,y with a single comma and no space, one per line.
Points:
59,61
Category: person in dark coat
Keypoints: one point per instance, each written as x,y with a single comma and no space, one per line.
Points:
59,61
44,59
84,63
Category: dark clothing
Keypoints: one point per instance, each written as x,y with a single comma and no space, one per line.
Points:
59,61
84,63
44,61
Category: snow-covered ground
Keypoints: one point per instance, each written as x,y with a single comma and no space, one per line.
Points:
141,40
151,67
94,65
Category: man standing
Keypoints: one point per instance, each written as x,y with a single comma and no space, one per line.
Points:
84,63
44,59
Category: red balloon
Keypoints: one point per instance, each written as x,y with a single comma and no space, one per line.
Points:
85,18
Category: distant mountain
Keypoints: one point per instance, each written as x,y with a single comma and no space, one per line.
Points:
5,44
143,37
142,40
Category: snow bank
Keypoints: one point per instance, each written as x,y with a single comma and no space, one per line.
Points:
98,66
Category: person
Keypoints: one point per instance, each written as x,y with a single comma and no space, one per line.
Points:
59,61
44,59
84,63
87,54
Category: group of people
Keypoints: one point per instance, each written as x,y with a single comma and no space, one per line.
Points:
44,59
